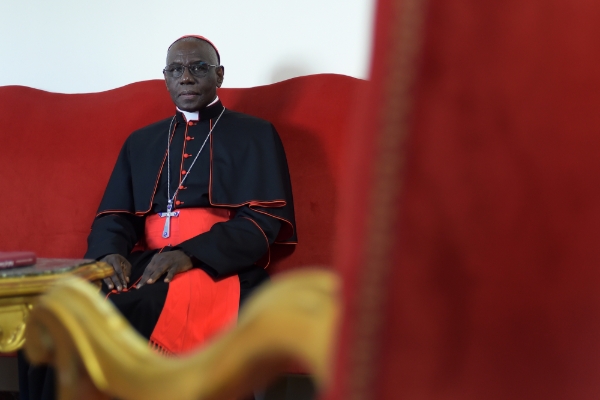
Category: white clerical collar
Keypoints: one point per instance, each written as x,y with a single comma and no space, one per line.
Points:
195,115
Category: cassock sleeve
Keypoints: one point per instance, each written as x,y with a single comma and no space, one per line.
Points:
116,231
114,234
232,246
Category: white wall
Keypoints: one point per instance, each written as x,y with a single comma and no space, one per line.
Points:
77,46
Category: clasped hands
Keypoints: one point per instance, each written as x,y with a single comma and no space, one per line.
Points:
169,262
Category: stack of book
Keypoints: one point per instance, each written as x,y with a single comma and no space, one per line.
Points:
16,259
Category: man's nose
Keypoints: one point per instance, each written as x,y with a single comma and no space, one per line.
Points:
187,76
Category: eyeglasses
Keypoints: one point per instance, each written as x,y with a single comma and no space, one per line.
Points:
199,70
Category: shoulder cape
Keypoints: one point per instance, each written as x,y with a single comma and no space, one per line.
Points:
248,166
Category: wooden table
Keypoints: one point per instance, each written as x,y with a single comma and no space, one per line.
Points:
20,287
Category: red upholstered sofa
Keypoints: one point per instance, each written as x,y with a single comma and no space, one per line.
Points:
57,151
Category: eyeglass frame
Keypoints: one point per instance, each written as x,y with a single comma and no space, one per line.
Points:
188,68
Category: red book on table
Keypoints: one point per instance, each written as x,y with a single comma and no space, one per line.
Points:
15,259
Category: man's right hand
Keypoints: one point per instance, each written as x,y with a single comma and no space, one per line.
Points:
122,269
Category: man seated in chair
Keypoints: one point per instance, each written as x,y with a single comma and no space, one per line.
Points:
191,208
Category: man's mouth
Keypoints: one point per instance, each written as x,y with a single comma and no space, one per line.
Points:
188,93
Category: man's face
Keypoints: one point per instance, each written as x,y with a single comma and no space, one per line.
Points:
189,92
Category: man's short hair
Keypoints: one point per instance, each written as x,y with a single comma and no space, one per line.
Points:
198,37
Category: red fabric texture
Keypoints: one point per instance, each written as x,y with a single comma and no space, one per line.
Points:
489,285
197,307
57,152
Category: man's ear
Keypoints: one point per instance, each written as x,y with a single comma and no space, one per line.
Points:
220,75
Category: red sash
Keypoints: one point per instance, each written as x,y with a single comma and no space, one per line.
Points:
196,307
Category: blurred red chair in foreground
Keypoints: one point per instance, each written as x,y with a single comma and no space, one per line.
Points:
471,263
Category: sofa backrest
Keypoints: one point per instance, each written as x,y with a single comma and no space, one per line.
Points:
58,150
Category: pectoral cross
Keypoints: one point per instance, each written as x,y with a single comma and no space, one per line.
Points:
168,215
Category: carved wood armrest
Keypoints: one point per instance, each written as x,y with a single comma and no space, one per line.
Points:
21,287
99,356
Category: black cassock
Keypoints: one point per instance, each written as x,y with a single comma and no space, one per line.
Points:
242,167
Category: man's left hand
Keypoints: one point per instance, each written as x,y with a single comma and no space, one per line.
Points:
171,262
